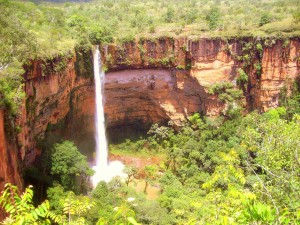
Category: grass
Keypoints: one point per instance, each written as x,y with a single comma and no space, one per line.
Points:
119,150
153,192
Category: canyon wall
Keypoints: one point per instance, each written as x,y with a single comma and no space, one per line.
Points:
147,81
9,166
58,102
280,64
151,81
9,160
197,65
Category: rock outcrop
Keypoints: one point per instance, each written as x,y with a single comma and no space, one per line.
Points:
148,81
9,160
280,69
152,81
59,98
197,65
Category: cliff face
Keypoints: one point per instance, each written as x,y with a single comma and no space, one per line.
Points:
9,160
153,81
176,89
58,98
195,66
280,68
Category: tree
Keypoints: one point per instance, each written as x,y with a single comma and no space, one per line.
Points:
55,194
131,171
150,175
169,16
100,34
160,133
296,15
242,80
75,206
16,46
264,19
276,166
213,18
68,163
125,215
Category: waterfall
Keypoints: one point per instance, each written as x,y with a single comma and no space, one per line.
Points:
104,170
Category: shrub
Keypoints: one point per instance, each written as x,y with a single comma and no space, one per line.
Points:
264,19
213,18
243,78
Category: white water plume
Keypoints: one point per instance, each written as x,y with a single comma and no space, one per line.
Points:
104,170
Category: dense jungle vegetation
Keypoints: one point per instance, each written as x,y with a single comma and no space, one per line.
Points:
233,169
243,170
44,30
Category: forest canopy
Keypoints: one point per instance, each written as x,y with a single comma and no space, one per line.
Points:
57,26
42,29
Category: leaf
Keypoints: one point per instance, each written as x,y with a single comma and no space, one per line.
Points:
34,214
8,208
132,221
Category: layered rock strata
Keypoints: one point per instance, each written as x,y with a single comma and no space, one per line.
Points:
152,81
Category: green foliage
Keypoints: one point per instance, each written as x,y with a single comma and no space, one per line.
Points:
216,171
152,29
131,172
55,195
11,88
227,173
220,88
243,78
290,100
213,18
211,175
259,213
21,209
150,172
275,114
76,21
68,163
125,215
60,27
169,16
160,133
226,92
99,34
75,206
16,45
106,198
196,122
296,15
265,18
275,146
259,48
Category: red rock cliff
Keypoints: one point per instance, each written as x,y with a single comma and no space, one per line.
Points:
9,161
148,81
153,81
196,65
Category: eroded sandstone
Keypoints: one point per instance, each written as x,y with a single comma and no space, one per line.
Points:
151,81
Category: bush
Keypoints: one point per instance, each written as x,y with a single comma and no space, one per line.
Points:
67,164
213,18
243,78
264,19
98,34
